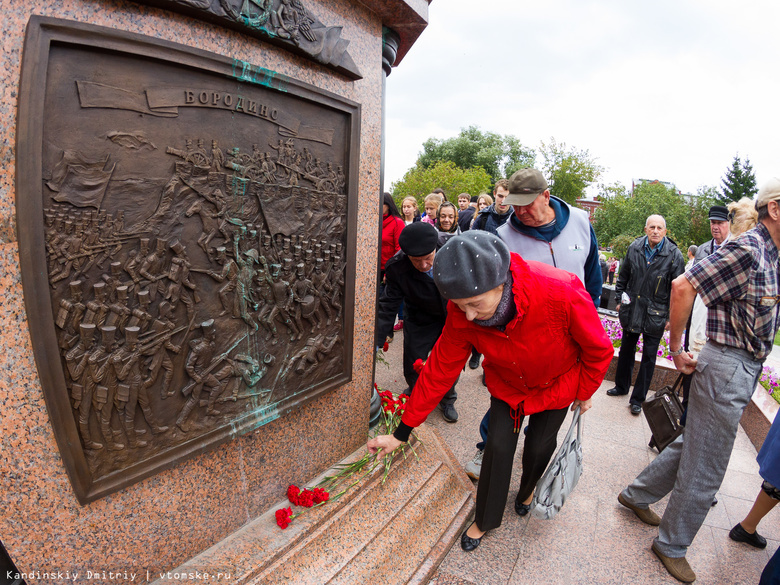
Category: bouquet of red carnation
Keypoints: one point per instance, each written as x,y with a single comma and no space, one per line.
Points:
392,410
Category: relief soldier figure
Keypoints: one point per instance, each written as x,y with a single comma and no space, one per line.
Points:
228,276
200,363
103,387
70,315
97,308
128,364
153,270
158,343
82,388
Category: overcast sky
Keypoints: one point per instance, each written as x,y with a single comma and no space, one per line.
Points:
667,90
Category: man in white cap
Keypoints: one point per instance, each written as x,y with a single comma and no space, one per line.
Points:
740,284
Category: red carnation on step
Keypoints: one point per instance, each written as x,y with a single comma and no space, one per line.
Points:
284,517
320,495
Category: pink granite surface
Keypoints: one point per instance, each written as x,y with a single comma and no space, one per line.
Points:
164,520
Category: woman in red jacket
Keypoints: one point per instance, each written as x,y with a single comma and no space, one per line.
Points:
545,350
392,224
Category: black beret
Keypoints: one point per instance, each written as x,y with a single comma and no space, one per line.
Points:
719,213
418,239
470,264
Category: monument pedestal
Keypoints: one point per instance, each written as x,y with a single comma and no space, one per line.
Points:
392,531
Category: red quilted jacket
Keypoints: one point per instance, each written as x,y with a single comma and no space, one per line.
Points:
391,230
554,351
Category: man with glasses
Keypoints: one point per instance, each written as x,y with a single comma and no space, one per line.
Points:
740,284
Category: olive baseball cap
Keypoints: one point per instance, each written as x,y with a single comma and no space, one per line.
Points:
525,186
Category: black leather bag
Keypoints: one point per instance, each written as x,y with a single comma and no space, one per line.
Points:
663,413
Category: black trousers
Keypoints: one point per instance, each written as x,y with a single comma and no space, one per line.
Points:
625,365
497,462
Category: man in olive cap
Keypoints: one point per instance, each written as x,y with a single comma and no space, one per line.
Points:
408,277
546,229
545,350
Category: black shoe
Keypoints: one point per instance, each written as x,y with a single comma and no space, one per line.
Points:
739,534
474,361
714,502
467,543
636,409
615,392
449,413
522,509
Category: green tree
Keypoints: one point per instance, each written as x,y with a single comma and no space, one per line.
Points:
568,170
624,214
498,155
620,245
419,181
740,181
705,198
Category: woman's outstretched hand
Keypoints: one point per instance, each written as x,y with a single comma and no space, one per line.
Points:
383,445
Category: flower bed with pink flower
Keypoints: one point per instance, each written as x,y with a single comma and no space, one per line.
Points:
770,379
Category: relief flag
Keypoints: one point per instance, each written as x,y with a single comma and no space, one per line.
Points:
80,181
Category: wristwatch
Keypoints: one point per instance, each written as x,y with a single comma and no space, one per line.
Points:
678,352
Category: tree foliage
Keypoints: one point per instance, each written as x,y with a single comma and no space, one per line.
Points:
625,214
568,170
499,156
740,181
419,181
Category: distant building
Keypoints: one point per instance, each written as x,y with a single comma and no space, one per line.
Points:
667,184
589,205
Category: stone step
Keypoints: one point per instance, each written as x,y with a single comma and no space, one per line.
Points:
419,509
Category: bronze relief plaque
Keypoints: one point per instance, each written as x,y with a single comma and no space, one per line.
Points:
289,24
187,242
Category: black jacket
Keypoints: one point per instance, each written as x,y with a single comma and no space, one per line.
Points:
423,305
465,217
649,287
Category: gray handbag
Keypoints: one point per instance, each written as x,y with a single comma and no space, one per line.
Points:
562,474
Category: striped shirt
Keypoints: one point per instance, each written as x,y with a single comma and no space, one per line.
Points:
740,284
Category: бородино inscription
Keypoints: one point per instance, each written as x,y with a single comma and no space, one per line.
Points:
190,251
287,23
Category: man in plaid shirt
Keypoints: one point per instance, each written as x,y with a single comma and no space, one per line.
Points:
740,284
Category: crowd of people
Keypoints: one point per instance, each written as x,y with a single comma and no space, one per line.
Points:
513,281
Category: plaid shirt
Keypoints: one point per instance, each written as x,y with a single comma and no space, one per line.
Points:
740,283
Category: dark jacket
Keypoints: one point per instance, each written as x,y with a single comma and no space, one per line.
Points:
490,220
649,286
423,305
465,217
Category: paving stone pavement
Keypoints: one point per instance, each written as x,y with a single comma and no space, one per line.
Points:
594,540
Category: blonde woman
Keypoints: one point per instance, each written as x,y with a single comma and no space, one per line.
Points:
409,210
431,203
742,216
484,200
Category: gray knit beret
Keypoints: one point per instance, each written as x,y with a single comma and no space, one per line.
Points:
470,264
